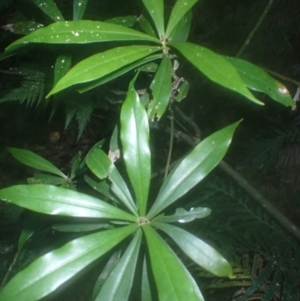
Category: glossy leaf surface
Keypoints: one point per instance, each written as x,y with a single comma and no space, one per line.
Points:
79,9
62,65
119,282
199,251
50,8
52,270
82,32
172,279
33,160
193,168
102,64
54,200
156,12
259,80
161,89
135,141
180,8
101,166
183,216
215,67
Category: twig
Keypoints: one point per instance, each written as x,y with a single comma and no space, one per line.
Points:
255,28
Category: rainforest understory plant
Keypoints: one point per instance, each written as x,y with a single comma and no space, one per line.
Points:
133,217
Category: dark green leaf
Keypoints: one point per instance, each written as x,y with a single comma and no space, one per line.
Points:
79,9
193,168
23,27
59,201
257,79
49,8
183,216
146,26
135,141
33,160
119,282
62,65
146,289
127,21
182,91
161,89
40,178
215,67
52,270
102,64
80,227
172,279
178,13
182,30
200,252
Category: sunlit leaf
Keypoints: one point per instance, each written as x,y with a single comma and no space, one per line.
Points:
119,282
102,64
183,216
54,200
199,251
257,79
215,67
193,168
172,279
161,89
33,160
62,65
102,167
50,8
156,12
135,141
180,8
79,9
55,268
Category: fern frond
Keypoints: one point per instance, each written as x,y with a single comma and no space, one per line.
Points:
32,87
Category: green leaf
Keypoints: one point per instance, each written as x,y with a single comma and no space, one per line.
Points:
181,31
23,27
200,252
180,8
118,73
127,21
119,282
161,89
62,65
257,79
49,8
80,227
146,289
101,166
183,216
156,12
33,160
182,91
215,67
54,200
82,32
193,168
52,270
102,64
79,9
146,26
172,279
135,141
40,178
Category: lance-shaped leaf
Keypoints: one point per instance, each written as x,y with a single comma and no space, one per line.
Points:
118,73
80,227
183,216
102,64
161,89
193,168
79,9
119,282
146,26
215,67
52,270
33,160
156,12
181,31
257,79
172,279
41,178
146,288
200,252
81,32
62,65
180,8
135,142
49,8
23,27
54,200
126,21
102,167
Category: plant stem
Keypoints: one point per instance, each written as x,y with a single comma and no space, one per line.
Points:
171,141
255,28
